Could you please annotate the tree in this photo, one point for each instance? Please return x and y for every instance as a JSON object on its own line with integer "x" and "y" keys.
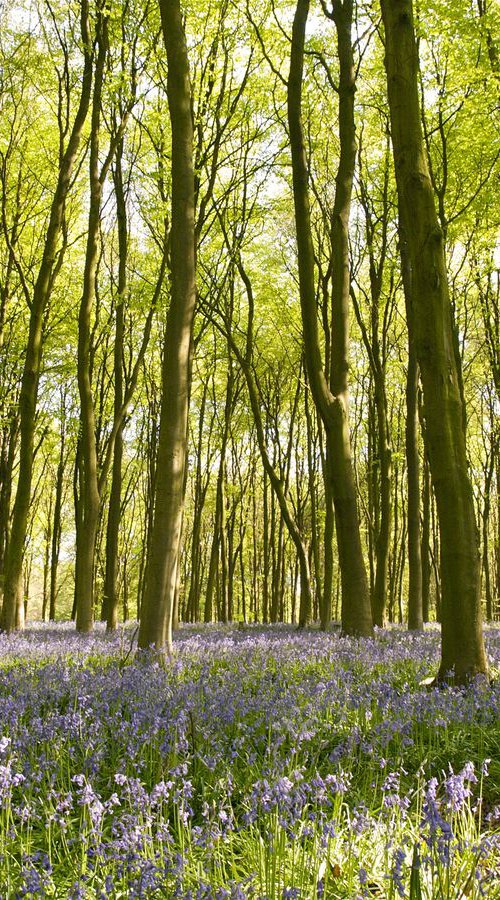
{"x": 462, "y": 651}
{"x": 330, "y": 394}
{"x": 162, "y": 561}
{"x": 12, "y": 611}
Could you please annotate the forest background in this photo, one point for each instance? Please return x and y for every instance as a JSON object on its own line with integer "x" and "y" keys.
{"x": 85, "y": 279}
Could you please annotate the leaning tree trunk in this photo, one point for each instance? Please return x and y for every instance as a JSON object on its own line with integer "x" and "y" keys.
{"x": 462, "y": 649}
{"x": 13, "y": 611}
{"x": 161, "y": 564}
{"x": 331, "y": 399}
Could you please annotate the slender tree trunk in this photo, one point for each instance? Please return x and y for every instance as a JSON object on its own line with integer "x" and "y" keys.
{"x": 223, "y": 599}
{"x": 485, "y": 528}
{"x": 371, "y": 486}
{"x": 84, "y": 582}
{"x": 161, "y": 565}
{"x": 415, "y": 600}
{"x": 218, "y": 551}
{"x": 324, "y": 601}
{"x": 496, "y": 611}
{"x": 200, "y": 490}
{"x": 462, "y": 649}
{"x": 111, "y": 599}
{"x": 211, "y": 578}
{"x": 425, "y": 541}
{"x": 78, "y": 509}
{"x": 57, "y": 525}
{"x": 331, "y": 399}
{"x": 277, "y": 572}
{"x": 7, "y": 460}
{"x": 382, "y": 543}
{"x": 266, "y": 553}
{"x": 415, "y": 596}
{"x": 46, "y": 560}
{"x": 12, "y": 617}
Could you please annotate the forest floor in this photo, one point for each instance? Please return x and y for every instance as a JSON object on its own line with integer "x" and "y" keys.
{"x": 258, "y": 762}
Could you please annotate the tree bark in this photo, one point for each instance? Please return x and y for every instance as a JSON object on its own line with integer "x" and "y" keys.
{"x": 462, "y": 648}
{"x": 161, "y": 564}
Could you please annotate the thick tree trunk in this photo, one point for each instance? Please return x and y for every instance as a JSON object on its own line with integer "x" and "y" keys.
{"x": 462, "y": 641}
{"x": 161, "y": 565}
{"x": 331, "y": 399}
{"x": 12, "y": 617}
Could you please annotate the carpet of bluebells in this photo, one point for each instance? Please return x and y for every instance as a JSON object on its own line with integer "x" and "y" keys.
{"x": 258, "y": 762}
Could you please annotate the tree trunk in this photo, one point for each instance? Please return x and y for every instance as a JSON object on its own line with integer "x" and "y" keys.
{"x": 200, "y": 491}
{"x": 212, "y": 571}
{"x": 382, "y": 543}
{"x": 485, "y": 523}
{"x": 331, "y": 399}
{"x": 46, "y": 560}
{"x": 7, "y": 460}
{"x": 266, "y": 554}
{"x": 321, "y": 599}
{"x": 12, "y": 617}
{"x": 462, "y": 649}
{"x": 84, "y": 582}
{"x": 415, "y": 601}
{"x": 111, "y": 599}
{"x": 161, "y": 565}
{"x": 57, "y": 525}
